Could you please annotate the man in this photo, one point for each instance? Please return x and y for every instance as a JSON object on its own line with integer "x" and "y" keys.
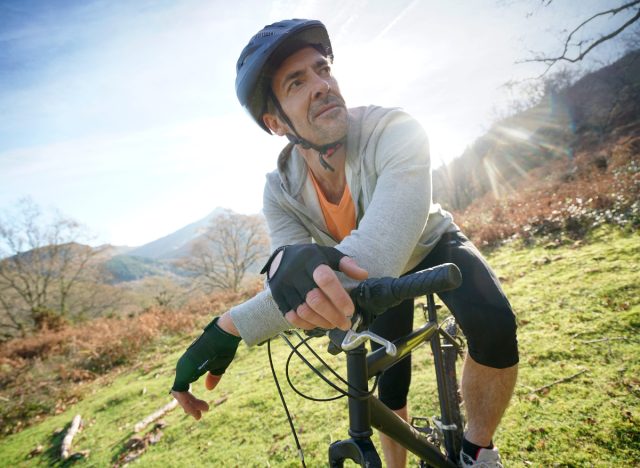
{"x": 356, "y": 182}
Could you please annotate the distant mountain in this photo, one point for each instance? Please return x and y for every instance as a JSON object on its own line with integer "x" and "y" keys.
{"x": 176, "y": 244}
{"x": 125, "y": 268}
{"x": 108, "y": 250}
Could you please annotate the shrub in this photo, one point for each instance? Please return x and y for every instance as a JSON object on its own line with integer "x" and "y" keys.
{"x": 567, "y": 198}
{"x": 35, "y": 372}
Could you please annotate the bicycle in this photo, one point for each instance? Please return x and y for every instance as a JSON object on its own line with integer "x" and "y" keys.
{"x": 436, "y": 442}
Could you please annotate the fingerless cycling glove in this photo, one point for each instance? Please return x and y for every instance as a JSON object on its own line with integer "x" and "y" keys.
{"x": 212, "y": 351}
{"x": 294, "y": 277}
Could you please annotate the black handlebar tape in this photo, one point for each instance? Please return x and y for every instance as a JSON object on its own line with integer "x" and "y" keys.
{"x": 376, "y": 295}
{"x": 432, "y": 280}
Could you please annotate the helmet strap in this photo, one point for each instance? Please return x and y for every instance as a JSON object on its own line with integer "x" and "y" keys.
{"x": 325, "y": 150}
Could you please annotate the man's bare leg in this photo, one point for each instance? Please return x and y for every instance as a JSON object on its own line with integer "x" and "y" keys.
{"x": 486, "y": 392}
{"x": 395, "y": 455}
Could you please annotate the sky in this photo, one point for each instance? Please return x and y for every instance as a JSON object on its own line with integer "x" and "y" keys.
{"x": 123, "y": 114}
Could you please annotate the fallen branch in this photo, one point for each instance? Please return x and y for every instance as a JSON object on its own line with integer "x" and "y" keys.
{"x": 566, "y": 379}
{"x": 600, "y": 340}
{"x": 219, "y": 401}
{"x": 153, "y": 416}
{"x": 68, "y": 438}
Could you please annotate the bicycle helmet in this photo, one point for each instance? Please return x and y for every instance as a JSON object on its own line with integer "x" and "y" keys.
{"x": 265, "y": 51}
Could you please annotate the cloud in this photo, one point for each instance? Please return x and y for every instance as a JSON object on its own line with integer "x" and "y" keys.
{"x": 396, "y": 20}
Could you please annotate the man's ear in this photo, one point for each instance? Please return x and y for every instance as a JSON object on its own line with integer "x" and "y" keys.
{"x": 274, "y": 124}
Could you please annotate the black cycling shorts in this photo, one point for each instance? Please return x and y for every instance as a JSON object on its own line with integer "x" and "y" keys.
{"x": 479, "y": 306}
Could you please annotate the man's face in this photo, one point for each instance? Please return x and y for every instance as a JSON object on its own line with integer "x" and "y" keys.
{"x": 309, "y": 95}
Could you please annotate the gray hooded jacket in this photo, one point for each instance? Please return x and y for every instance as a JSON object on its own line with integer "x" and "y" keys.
{"x": 388, "y": 172}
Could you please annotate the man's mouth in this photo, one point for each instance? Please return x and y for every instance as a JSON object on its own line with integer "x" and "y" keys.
{"x": 325, "y": 109}
{"x": 328, "y": 107}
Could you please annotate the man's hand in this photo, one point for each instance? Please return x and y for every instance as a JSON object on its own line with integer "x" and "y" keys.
{"x": 192, "y": 405}
{"x": 213, "y": 351}
{"x": 309, "y": 292}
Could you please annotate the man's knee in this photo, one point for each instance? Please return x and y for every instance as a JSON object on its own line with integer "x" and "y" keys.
{"x": 492, "y": 339}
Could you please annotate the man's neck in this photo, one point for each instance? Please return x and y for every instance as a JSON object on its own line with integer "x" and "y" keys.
{"x": 332, "y": 183}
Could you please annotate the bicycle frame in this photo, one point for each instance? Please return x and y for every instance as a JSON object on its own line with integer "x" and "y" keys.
{"x": 366, "y": 411}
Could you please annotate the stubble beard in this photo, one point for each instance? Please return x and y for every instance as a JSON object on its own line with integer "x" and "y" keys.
{"x": 329, "y": 128}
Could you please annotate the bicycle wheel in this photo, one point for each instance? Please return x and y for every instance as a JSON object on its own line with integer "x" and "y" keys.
{"x": 449, "y": 425}
{"x": 449, "y": 393}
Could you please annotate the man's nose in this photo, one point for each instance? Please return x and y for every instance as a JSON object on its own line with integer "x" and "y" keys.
{"x": 321, "y": 86}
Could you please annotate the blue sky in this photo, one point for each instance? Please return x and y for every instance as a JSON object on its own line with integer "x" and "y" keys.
{"x": 123, "y": 115}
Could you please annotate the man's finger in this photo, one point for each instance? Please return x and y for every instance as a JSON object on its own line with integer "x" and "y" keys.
{"x": 309, "y": 311}
{"x": 211, "y": 380}
{"x": 297, "y": 322}
{"x": 185, "y": 403}
{"x": 199, "y": 405}
{"x": 349, "y": 267}
{"x": 328, "y": 282}
{"x": 196, "y": 407}
{"x": 322, "y": 309}
{"x": 190, "y": 404}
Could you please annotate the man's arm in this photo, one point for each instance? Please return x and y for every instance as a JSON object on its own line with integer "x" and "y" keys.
{"x": 397, "y": 158}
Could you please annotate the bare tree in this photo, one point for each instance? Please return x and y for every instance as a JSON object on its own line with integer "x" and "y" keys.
{"x": 232, "y": 244}
{"x": 528, "y": 93}
{"x": 163, "y": 291}
{"x": 575, "y": 50}
{"x": 41, "y": 261}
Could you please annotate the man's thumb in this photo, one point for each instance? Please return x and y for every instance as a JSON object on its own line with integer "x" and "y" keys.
{"x": 211, "y": 381}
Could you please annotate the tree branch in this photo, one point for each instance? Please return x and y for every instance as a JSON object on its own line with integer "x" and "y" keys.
{"x": 565, "y": 379}
{"x": 583, "y": 53}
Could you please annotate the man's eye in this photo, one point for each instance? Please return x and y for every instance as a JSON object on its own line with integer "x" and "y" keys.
{"x": 294, "y": 84}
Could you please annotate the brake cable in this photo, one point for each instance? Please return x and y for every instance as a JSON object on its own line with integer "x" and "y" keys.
{"x": 284, "y": 404}
{"x": 342, "y": 393}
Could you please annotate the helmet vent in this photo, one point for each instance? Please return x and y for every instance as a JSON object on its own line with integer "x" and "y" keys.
{"x": 265, "y": 34}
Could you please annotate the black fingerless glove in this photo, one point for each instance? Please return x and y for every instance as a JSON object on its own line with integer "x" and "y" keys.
{"x": 294, "y": 277}
{"x": 212, "y": 351}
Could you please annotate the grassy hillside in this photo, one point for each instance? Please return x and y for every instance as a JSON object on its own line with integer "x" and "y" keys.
{"x": 579, "y": 313}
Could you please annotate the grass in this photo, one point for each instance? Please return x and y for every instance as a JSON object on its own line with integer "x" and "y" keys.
{"x": 578, "y": 311}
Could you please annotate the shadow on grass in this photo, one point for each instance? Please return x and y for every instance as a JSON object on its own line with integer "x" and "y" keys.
{"x": 112, "y": 402}
{"x": 125, "y": 447}
{"x": 624, "y": 441}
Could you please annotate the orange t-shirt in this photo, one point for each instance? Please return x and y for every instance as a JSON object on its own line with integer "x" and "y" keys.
{"x": 341, "y": 218}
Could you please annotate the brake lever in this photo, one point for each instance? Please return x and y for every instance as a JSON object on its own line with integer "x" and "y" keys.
{"x": 336, "y": 336}
{"x": 354, "y": 339}
{"x": 340, "y": 340}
